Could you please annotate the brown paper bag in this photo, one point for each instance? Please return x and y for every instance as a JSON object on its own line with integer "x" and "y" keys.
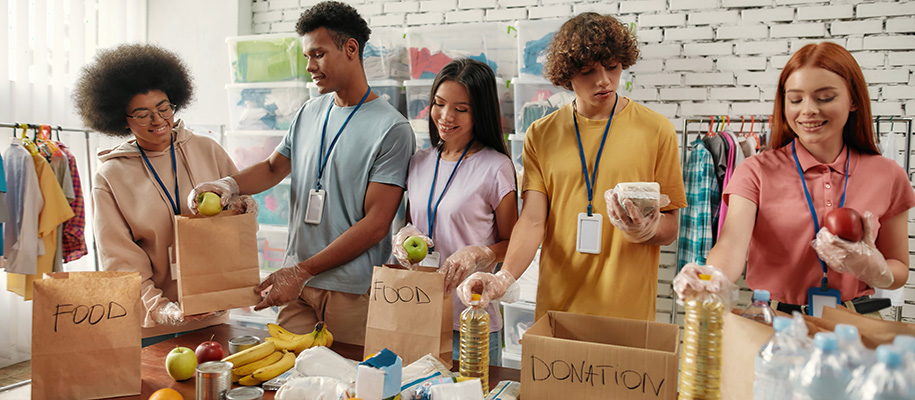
{"x": 217, "y": 263}
{"x": 86, "y": 335}
{"x": 409, "y": 314}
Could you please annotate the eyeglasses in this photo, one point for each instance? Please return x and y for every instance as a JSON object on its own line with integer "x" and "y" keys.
{"x": 144, "y": 118}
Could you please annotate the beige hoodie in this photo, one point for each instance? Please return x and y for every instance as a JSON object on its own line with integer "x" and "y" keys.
{"x": 134, "y": 218}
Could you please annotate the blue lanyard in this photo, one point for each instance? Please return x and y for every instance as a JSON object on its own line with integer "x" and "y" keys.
{"x": 322, "y": 157}
{"x": 176, "y": 207}
{"x": 589, "y": 182}
{"x": 813, "y": 211}
{"x": 431, "y": 211}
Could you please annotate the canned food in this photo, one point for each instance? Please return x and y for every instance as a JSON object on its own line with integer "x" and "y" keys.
{"x": 245, "y": 393}
{"x": 240, "y": 343}
{"x": 214, "y": 379}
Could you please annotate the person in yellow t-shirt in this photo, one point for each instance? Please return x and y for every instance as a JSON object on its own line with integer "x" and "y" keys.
{"x": 619, "y": 140}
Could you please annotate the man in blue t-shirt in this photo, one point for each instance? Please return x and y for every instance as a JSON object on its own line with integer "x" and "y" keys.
{"x": 348, "y": 153}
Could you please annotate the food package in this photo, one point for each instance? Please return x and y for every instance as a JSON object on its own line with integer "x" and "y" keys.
{"x": 321, "y": 361}
{"x": 646, "y": 195}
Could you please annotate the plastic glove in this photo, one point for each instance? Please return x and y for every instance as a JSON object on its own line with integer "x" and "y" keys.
{"x": 169, "y": 313}
{"x": 635, "y": 226}
{"x": 282, "y": 286}
{"x": 493, "y": 286}
{"x": 463, "y": 262}
{"x": 244, "y": 204}
{"x": 861, "y": 259}
{"x": 397, "y": 249}
{"x": 226, "y": 188}
{"x": 688, "y": 284}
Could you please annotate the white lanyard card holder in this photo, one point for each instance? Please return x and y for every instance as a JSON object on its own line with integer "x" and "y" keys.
{"x": 589, "y": 233}
{"x": 315, "y": 208}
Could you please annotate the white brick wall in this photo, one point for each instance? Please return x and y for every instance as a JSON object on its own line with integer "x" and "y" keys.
{"x": 699, "y": 57}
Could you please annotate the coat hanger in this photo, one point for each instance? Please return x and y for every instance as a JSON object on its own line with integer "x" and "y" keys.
{"x": 26, "y": 142}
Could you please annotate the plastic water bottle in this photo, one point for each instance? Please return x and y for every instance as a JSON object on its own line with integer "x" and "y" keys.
{"x": 700, "y": 360}
{"x": 475, "y": 343}
{"x": 906, "y": 344}
{"x": 824, "y": 376}
{"x": 759, "y": 309}
{"x": 775, "y": 361}
{"x": 886, "y": 380}
{"x": 856, "y": 355}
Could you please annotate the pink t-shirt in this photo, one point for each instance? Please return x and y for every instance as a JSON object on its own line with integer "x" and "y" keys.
{"x": 466, "y": 214}
{"x": 780, "y": 258}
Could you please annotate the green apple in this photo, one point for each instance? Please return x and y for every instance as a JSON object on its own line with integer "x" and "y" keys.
{"x": 416, "y": 248}
{"x": 181, "y": 363}
{"x": 209, "y": 204}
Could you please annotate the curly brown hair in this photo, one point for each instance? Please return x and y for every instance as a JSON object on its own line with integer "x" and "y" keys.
{"x": 587, "y": 38}
{"x": 340, "y": 19}
{"x": 107, "y": 86}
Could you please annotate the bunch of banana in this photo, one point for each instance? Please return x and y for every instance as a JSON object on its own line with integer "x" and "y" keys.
{"x": 260, "y": 363}
{"x": 283, "y": 339}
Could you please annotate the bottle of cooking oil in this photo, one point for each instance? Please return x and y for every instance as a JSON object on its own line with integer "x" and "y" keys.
{"x": 700, "y": 359}
{"x": 475, "y": 343}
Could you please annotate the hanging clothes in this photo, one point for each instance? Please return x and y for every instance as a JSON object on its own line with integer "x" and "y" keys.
{"x": 21, "y": 246}
{"x": 695, "y": 220}
{"x": 718, "y": 148}
{"x": 732, "y": 154}
{"x": 4, "y": 212}
{"x": 60, "y": 166}
{"x": 74, "y": 236}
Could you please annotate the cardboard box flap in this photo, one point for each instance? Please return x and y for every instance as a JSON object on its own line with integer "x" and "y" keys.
{"x": 615, "y": 332}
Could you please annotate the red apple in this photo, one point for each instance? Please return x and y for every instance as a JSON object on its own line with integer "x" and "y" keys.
{"x": 209, "y": 351}
{"x": 845, "y": 223}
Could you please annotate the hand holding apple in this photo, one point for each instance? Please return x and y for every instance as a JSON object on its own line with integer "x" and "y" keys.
{"x": 209, "y": 204}
{"x": 845, "y": 223}
{"x": 416, "y": 248}
{"x": 407, "y": 241}
{"x": 181, "y": 363}
{"x": 209, "y": 351}
{"x": 861, "y": 259}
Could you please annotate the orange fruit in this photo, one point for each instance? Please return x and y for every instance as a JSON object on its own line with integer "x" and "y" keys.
{"x": 166, "y": 394}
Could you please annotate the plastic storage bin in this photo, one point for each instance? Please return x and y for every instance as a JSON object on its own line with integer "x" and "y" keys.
{"x": 533, "y": 38}
{"x": 418, "y": 103}
{"x": 265, "y": 106}
{"x": 386, "y": 56}
{"x": 249, "y": 147}
{"x": 422, "y": 140}
{"x": 431, "y": 47}
{"x": 519, "y": 316}
{"x": 511, "y": 360}
{"x": 271, "y": 247}
{"x": 535, "y": 99}
{"x": 266, "y": 58}
{"x": 391, "y": 91}
{"x": 273, "y": 205}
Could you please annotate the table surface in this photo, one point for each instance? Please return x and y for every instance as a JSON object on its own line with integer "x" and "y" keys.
{"x": 155, "y": 377}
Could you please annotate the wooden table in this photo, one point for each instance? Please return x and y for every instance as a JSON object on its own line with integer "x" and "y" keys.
{"x": 155, "y": 377}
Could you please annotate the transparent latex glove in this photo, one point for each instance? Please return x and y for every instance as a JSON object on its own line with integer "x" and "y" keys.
{"x": 169, "y": 313}
{"x": 490, "y": 286}
{"x": 226, "y": 188}
{"x": 861, "y": 259}
{"x": 688, "y": 284}
{"x": 282, "y": 286}
{"x": 400, "y": 253}
{"x": 463, "y": 262}
{"x": 244, "y": 204}
{"x": 635, "y": 226}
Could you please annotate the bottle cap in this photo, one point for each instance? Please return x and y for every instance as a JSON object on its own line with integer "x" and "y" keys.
{"x": 760, "y": 295}
{"x": 705, "y": 277}
{"x": 905, "y": 343}
{"x": 475, "y": 298}
{"x": 889, "y": 354}
{"x": 827, "y": 341}
{"x": 846, "y": 333}
{"x": 781, "y": 323}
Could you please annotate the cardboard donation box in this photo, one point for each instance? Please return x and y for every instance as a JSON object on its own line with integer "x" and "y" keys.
{"x": 216, "y": 262}
{"x": 575, "y": 356}
{"x": 409, "y": 314}
{"x": 86, "y": 335}
{"x": 743, "y": 338}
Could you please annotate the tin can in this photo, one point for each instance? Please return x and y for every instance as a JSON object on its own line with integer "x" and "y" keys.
{"x": 240, "y": 343}
{"x": 245, "y": 393}
{"x": 214, "y": 379}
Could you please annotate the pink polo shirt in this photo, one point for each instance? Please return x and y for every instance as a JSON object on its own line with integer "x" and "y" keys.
{"x": 780, "y": 258}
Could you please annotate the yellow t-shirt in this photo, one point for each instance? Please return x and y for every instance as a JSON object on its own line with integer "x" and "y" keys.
{"x": 641, "y": 146}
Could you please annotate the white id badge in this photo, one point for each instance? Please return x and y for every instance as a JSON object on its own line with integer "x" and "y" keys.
{"x": 431, "y": 260}
{"x": 589, "y": 230}
{"x": 315, "y": 208}
{"x": 172, "y": 262}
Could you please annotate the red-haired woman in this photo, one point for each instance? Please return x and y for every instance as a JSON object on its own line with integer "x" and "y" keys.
{"x": 821, "y": 156}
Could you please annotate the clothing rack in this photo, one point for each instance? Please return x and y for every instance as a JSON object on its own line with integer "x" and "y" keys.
{"x": 17, "y": 126}
{"x": 878, "y": 120}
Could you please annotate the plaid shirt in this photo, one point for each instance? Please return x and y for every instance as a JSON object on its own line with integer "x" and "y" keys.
{"x": 695, "y": 220}
{"x": 74, "y": 238}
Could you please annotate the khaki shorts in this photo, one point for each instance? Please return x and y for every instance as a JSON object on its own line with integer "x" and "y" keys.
{"x": 344, "y": 313}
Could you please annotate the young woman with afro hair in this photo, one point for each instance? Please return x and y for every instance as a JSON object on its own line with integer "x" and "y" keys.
{"x": 133, "y": 91}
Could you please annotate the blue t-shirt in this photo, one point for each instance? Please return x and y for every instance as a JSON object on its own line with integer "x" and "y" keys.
{"x": 375, "y": 146}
